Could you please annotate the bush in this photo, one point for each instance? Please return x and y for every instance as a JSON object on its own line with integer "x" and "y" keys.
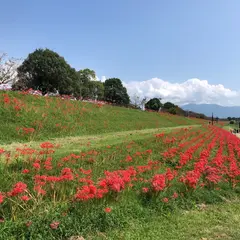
{"x": 153, "y": 104}
{"x": 232, "y": 122}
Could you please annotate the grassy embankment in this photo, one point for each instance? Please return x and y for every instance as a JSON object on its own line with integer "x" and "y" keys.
{"x": 25, "y": 118}
{"x": 121, "y": 203}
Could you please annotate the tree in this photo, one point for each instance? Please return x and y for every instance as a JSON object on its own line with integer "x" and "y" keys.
{"x": 46, "y": 70}
{"x": 86, "y": 75}
{"x": 8, "y": 69}
{"x": 84, "y": 79}
{"x": 115, "y": 92}
{"x": 153, "y": 104}
{"x": 95, "y": 90}
{"x": 172, "y": 111}
{"x": 168, "y": 105}
{"x": 229, "y": 118}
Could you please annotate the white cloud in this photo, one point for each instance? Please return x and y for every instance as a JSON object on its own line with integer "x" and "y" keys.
{"x": 102, "y": 79}
{"x": 191, "y": 91}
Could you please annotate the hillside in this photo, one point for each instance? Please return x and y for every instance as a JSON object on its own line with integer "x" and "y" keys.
{"x": 112, "y": 173}
{"x": 29, "y": 117}
{"x": 217, "y": 110}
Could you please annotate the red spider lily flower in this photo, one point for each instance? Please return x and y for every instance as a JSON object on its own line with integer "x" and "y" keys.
{"x": 6, "y": 99}
{"x": 25, "y": 171}
{"x": 28, "y": 130}
{"x": 1, "y": 198}
{"x": 169, "y": 174}
{"x": 175, "y": 195}
{"x": 130, "y": 185}
{"x": 28, "y": 224}
{"x": 159, "y": 182}
{"x": 67, "y": 174}
{"x": 1, "y": 220}
{"x": 36, "y": 165}
{"x": 86, "y": 172}
{"x": 39, "y": 190}
{"x": 54, "y": 225}
{"x": 17, "y": 108}
{"x": 46, "y": 145}
{"x": 165, "y": 200}
{"x": 25, "y": 198}
{"x": 18, "y": 188}
{"x": 145, "y": 189}
{"x": 159, "y": 135}
{"x": 2, "y": 150}
{"x": 149, "y": 151}
{"x": 191, "y": 178}
{"x": 107, "y": 210}
{"x": 128, "y": 158}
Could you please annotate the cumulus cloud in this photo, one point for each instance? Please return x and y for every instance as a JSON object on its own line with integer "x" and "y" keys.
{"x": 191, "y": 91}
{"x": 102, "y": 79}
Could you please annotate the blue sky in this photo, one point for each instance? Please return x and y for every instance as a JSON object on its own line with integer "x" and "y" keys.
{"x": 134, "y": 40}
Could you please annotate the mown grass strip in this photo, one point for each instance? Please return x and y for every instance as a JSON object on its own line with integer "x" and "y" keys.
{"x": 69, "y": 144}
{"x": 218, "y": 221}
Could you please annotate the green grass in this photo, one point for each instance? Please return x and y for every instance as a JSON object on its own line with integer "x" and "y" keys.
{"x": 230, "y": 126}
{"x": 212, "y": 222}
{"x": 54, "y": 118}
{"x": 76, "y": 144}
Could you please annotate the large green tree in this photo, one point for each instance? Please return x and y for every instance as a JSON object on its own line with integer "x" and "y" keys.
{"x": 154, "y": 104}
{"x": 92, "y": 90}
{"x": 87, "y": 86}
{"x": 168, "y": 105}
{"x": 46, "y": 70}
{"x": 86, "y": 75}
{"x": 115, "y": 92}
{"x": 96, "y": 90}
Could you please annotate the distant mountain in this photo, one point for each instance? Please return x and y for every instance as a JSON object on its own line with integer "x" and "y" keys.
{"x": 217, "y": 110}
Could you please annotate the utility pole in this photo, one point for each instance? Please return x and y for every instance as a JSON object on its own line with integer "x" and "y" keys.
{"x": 212, "y": 118}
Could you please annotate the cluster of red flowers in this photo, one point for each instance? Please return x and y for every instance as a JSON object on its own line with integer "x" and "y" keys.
{"x": 195, "y": 158}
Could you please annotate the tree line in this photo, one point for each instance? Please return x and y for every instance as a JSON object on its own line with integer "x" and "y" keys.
{"x": 47, "y": 71}
{"x": 155, "y": 104}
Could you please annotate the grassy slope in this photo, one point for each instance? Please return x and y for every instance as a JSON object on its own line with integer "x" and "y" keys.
{"x": 219, "y": 221}
{"x": 52, "y": 117}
